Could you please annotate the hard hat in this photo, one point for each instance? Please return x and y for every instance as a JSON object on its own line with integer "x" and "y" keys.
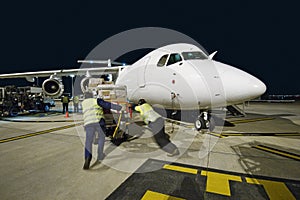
{"x": 142, "y": 101}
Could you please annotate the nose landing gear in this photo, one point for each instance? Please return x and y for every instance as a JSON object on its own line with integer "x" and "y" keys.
{"x": 205, "y": 121}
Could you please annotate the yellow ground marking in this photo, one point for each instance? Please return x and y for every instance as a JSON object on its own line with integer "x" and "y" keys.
{"x": 275, "y": 190}
{"x": 232, "y": 134}
{"x": 40, "y": 121}
{"x": 226, "y": 134}
{"x": 220, "y": 135}
{"x": 251, "y": 120}
{"x": 180, "y": 123}
{"x": 39, "y": 133}
{"x": 219, "y": 183}
{"x": 150, "y": 195}
{"x": 180, "y": 169}
{"x": 277, "y": 152}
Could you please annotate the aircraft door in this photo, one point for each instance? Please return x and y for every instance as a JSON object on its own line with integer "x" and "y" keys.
{"x": 141, "y": 72}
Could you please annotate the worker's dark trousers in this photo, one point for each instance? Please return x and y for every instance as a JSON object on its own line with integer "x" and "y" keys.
{"x": 90, "y": 130}
{"x": 75, "y": 107}
{"x": 158, "y": 129}
{"x": 65, "y": 107}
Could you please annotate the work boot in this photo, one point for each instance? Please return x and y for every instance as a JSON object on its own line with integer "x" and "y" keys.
{"x": 174, "y": 153}
{"x": 87, "y": 163}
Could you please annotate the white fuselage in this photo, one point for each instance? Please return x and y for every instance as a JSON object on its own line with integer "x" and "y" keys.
{"x": 177, "y": 76}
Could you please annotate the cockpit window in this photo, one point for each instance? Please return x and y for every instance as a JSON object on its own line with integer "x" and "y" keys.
{"x": 194, "y": 55}
{"x": 174, "y": 58}
{"x": 162, "y": 61}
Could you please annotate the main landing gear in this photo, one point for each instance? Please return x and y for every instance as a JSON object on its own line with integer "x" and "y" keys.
{"x": 205, "y": 121}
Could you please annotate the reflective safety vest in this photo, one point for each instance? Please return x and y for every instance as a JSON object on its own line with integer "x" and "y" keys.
{"x": 76, "y": 99}
{"x": 147, "y": 113}
{"x": 92, "y": 112}
{"x": 65, "y": 99}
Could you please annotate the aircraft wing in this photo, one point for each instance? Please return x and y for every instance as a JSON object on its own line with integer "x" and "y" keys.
{"x": 65, "y": 72}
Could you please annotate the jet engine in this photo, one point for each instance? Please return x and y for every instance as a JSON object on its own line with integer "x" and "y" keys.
{"x": 53, "y": 87}
{"x": 84, "y": 84}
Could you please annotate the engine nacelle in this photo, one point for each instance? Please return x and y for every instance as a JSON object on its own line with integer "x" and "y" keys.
{"x": 84, "y": 84}
{"x": 53, "y": 87}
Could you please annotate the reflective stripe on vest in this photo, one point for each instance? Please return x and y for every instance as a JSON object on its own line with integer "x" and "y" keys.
{"x": 147, "y": 113}
{"x": 92, "y": 112}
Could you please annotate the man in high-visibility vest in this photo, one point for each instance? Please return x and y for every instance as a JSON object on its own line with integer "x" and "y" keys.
{"x": 94, "y": 121}
{"x": 65, "y": 102}
{"x": 75, "y": 103}
{"x": 157, "y": 125}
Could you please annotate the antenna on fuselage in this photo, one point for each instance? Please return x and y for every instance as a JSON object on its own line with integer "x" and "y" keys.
{"x": 212, "y": 55}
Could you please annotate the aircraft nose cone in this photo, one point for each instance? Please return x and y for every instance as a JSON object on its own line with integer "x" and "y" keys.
{"x": 256, "y": 87}
{"x": 240, "y": 86}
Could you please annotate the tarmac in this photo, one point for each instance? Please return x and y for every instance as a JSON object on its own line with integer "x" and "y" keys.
{"x": 252, "y": 157}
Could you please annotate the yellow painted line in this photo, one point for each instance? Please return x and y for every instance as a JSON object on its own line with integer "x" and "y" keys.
{"x": 180, "y": 123}
{"x": 217, "y": 135}
{"x": 181, "y": 169}
{"x": 275, "y": 190}
{"x": 219, "y": 183}
{"x": 260, "y": 134}
{"x": 232, "y": 134}
{"x": 277, "y": 152}
{"x": 150, "y": 195}
{"x": 189, "y": 126}
{"x": 38, "y": 133}
{"x": 251, "y": 120}
{"x": 40, "y": 121}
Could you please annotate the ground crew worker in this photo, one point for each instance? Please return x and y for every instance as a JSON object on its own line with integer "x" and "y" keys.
{"x": 94, "y": 122}
{"x": 157, "y": 125}
{"x": 65, "y": 101}
{"x": 75, "y": 103}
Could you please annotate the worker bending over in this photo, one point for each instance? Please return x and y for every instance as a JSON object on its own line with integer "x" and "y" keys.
{"x": 157, "y": 125}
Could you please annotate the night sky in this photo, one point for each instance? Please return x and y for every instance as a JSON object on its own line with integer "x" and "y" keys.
{"x": 259, "y": 37}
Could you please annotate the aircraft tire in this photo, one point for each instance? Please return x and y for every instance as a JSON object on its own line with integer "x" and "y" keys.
{"x": 199, "y": 123}
{"x": 13, "y": 111}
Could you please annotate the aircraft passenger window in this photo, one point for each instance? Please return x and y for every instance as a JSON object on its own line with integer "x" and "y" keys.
{"x": 194, "y": 55}
{"x": 162, "y": 61}
{"x": 174, "y": 58}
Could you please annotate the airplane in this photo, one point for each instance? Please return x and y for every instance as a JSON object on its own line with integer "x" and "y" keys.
{"x": 177, "y": 76}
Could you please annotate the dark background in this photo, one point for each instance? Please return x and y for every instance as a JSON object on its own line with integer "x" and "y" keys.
{"x": 259, "y": 37}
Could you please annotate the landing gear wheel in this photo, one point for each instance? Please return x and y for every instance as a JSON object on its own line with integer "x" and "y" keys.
{"x": 13, "y": 112}
{"x": 199, "y": 124}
